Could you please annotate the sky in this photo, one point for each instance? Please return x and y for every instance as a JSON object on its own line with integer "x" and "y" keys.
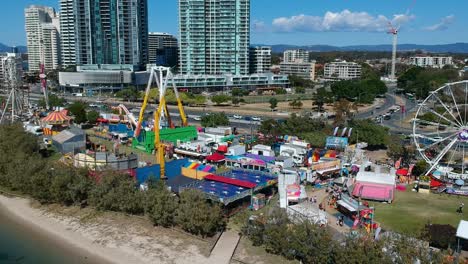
{"x": 304, "y": 22}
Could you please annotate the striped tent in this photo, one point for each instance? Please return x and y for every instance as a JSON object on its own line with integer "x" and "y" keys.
{"x": 56, "y": 118}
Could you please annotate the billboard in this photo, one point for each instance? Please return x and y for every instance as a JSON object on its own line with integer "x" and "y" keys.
{"x": 336, "y": 142}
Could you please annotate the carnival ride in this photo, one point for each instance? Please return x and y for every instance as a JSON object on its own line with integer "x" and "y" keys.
{"x": 162, "y": 119}
{"x": 440, "y": 131}
{"x": 131, "y": 118}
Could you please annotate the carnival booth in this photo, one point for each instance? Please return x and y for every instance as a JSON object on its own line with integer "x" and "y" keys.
{"x": 374, "y": 186}
{"x": 70, "y": 140}
{"x": 55, "y": 122}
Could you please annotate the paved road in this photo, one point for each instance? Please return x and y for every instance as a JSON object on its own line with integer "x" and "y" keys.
{"x": 194, "y": 114}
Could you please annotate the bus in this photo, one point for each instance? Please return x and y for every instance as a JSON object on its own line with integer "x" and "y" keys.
{"x": 410, "y": 96}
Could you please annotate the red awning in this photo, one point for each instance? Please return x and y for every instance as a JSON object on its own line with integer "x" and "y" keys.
{"x": 227, "y": 180}
{"x": 402, "y": 172}
{"x": 216, "y": 157}
{"x": 436, "y": 183}
{"x": 223, "y": 148}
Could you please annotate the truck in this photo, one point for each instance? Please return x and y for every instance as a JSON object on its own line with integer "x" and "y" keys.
{"x": 296, "y": 151}
{"x": 122, "y": 138}
{"x": 236, "y": 150}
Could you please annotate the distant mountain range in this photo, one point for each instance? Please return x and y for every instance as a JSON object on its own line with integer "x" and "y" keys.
{"x": 444, "y": 48}
{"x": 6, "y": 48}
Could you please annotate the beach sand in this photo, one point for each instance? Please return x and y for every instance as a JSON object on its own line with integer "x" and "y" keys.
{"x": 20, "y": 211}
{"x": 104, "y": 240}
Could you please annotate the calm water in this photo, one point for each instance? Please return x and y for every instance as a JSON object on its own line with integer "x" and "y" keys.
{"x": 22, "y": 245}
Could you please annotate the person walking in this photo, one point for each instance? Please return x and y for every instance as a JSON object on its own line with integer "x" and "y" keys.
{"x": 460, "y": 208}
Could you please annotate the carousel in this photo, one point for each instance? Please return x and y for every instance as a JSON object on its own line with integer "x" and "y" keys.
{"x": 55, "y": 122}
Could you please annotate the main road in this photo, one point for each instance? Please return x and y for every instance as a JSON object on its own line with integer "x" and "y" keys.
{"x": 247, "y": 123}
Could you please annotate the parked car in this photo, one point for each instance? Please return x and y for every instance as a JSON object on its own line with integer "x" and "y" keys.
{"x": 256, "y": 118}
{"x": 237, "y": 116}
{"x": 197, "y": 118}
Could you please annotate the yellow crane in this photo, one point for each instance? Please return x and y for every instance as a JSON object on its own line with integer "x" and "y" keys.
{"x": 162, "y": 76}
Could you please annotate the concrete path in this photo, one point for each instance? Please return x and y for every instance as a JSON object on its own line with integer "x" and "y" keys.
{"x": 225, "y": 247}
{"x": 322, "y": 196}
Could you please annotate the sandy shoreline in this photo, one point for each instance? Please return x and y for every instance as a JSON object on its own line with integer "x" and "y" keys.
{"x": 108, "y": 237}
{"x": 20, "y": 211}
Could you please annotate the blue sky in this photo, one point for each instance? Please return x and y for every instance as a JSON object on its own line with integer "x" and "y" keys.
{"x": 305, "y": 22}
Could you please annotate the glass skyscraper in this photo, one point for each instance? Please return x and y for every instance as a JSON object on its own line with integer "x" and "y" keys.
{"x": 214, "y": 36}
{"x": 111, "y": 31}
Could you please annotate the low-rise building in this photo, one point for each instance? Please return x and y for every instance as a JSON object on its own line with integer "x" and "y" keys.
{"x": 431, "y": 61}
{"x": 305, "y": 70}
{"x": 119, "y": 76}
{"x": 342, "y": 70}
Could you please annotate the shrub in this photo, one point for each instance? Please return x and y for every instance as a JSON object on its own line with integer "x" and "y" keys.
{"x": 197, "y": 216}
{"x": 160, "y": 205}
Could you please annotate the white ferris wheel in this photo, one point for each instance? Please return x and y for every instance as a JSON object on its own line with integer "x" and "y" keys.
{"x": 440, "y": 131}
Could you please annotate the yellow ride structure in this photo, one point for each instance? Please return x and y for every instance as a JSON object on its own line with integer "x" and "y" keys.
{"x": 161, "y": 76}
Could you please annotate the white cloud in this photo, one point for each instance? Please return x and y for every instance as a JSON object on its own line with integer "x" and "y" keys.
{"x": 345, "y": 20}
{"x": 442, "y": 25}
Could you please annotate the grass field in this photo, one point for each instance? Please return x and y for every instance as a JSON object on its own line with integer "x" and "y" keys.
{"x": 411, "y": 211}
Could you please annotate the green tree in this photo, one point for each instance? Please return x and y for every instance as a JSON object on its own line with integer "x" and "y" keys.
{"x": 31, "y": 77}
{"x": 276, "y": 58}
{"x": 220, "y": 99}
{"x": 296, "y": 104}
{"x": 361, "y": 250}
{"x": 235, "y": 101}
{"x": 117, "y": 192}
{"x": 54, "y": 101}
{"x": 299, "y": 90}
{"x": 273, "y": 103}
{"x": 78, "y": 110}
{"x": 322, "y": 97}
{"x": 375, "y": 135}
{"x": 160, "y": 205}
{"x": 297, "y": 81}
{"x": 197, "y": 216}
{"x": 397, "y": 149}
{"x": 128, "y": 94}
{"x": 343, "y": 110}
{"x": 311, "y": 244}
{"x": 420, "y": 81}
{"x": 420, "y": 168}
{"x": 239, "y": 92}
{"x": 214, "y": 120}
{"x": 92, "y": 116}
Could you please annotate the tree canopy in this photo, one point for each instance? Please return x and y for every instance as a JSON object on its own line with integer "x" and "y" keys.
{"x": 420, "y": 81}
{"x": 367, "y": 131}
{"x": 54, "y": 101}
{"x": 78, "y": 110}
{"x": 214, "y": 120}
{"x": 220, "y": 99}
{"x": 273, "y": 103}
{"x": 130, "y": 94}
{"x": 197, "y": 216}
{"x": 297, "y": 81}
{"x": 361, "y": 91}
